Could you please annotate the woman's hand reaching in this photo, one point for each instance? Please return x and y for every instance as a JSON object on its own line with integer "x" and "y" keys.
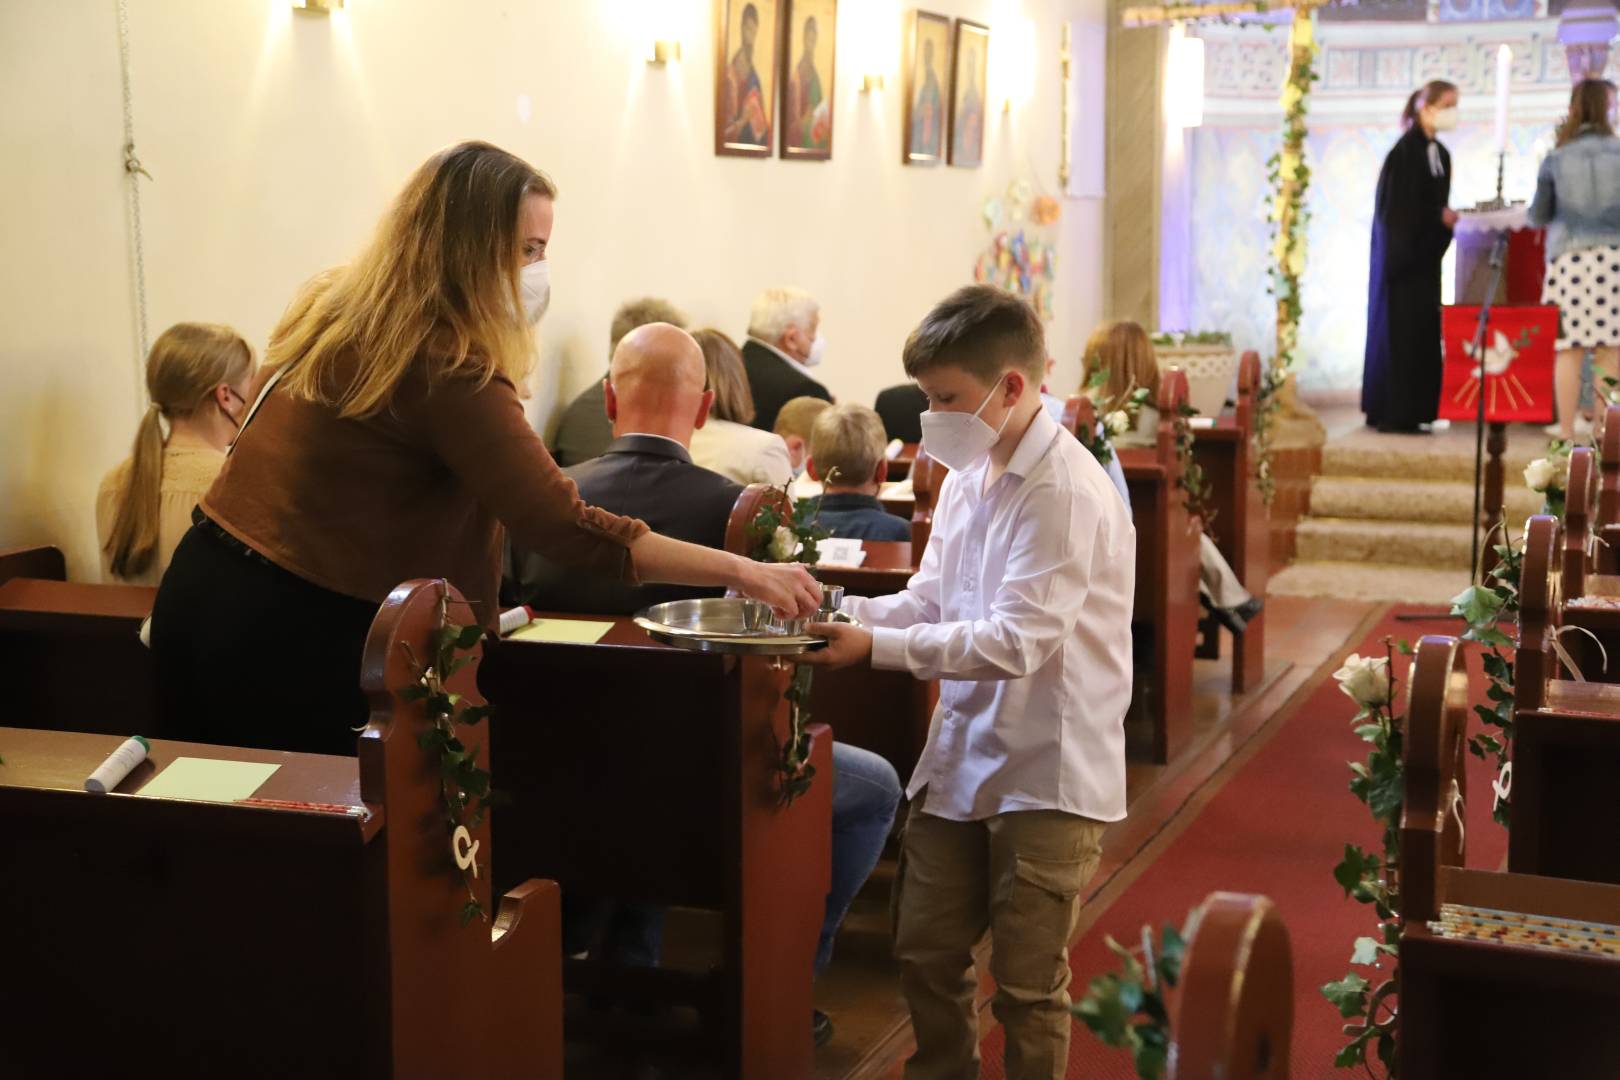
{"x": 788, "y": 588}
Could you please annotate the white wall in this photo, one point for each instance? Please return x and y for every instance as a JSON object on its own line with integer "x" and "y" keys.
{"x": 276, "y": 140}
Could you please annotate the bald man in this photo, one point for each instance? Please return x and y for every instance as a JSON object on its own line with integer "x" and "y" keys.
{"x": 655, "y": 397}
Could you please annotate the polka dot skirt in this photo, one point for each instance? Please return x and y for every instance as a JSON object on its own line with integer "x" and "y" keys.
{"x": 1586, "y": 287}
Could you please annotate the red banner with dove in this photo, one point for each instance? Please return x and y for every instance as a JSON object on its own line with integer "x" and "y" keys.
{"x": 1519, "y": 350}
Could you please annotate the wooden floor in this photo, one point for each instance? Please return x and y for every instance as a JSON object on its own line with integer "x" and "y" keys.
{"x": 861, "y": 991}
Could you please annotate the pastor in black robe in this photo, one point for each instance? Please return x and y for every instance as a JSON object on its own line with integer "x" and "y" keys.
{"x": 1400, "y": 380}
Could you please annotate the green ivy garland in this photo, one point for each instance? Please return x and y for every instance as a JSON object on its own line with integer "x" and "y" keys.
{"x": 792, "y": 538}
{"x": 1290, "y": 180}
{"x": 461, "y": 779}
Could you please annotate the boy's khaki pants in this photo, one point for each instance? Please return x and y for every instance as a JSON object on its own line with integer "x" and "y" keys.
{"x": 1018, "y": 874}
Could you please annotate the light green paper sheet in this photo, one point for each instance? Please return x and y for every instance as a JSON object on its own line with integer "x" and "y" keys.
{"x": 207, "y": 780}
{"x": 567, "y": 631}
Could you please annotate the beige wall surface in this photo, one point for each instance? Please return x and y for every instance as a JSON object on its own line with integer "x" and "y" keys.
{"x": 276, "y": 138}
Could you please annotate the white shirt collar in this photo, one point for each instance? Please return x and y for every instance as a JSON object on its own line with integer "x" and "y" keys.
{"x": 792, "y": 363}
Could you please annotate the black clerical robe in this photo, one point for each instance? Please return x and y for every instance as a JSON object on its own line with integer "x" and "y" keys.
{"x": 1400, "y": 382}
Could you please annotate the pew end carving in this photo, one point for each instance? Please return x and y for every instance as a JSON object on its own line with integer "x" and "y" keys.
{"x": 1235, "y": 1013}
{"x": 1165, "y": 622}
{"x": 926, "y": 477}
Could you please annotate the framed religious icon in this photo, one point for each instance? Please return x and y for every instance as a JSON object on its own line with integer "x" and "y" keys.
{"x": 746, "y": 36}
{"x": 807, "y": 78}
{"x": 970, "y": 62}
{"x": 927, "y": 61}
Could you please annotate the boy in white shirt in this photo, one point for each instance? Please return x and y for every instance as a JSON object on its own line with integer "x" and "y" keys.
{"x": 1021, "y": 607}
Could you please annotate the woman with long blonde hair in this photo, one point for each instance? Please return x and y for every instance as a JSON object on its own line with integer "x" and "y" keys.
{"x": 197, "y": 376}
{"x": 390, "y": 444}
{"x": 1578, "y": 200}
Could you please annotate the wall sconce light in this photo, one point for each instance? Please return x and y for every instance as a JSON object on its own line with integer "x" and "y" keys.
{"x": 317, "y": 7}
{"x": 870, "y": 83}
{"x": 664, "y": 51}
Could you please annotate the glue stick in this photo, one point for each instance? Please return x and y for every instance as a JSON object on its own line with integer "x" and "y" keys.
{"x": 110, "y": 773}
{"x": 515, "y": 619}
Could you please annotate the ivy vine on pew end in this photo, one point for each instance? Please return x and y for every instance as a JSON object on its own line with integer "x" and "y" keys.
{"x": 1127, "y": 1009}
{"x": 464, "y": 786}
{"x": 1379, "y": 783}
{"x": 775, "y": 537}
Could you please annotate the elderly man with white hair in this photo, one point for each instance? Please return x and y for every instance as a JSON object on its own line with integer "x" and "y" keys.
{"x": 784, "y": 343}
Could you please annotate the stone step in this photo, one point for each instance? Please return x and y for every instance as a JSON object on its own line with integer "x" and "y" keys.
{"x": 1375, "y": 582}
{"x": 1413, "y": 500}
{"x": 1379, "y": 461}
{"x": 1435, "y": 545}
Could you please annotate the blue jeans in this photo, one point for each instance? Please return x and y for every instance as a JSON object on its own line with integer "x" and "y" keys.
{"x": 866, "y": 791}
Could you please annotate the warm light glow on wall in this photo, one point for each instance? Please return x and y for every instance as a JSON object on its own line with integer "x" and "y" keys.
{"x": 1184, "y": 80}
{"x": 869, "y": 43}
{"x": 319, "y": 7}
{"x": 1012, "y": 59}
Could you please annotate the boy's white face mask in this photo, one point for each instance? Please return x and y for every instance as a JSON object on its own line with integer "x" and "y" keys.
{"x": 959, "y": 440}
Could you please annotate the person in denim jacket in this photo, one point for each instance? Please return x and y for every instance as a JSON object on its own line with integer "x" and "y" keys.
{"x": 1578, "y": 200}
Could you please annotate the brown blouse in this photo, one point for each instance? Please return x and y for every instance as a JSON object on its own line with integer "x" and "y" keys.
{"x": 420, "y": 490}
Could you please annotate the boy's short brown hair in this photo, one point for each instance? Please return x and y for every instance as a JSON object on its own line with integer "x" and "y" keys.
{"x": 983, "y": 330}
{"x": 849, "y": 439}
{"x": 798, "y": 416}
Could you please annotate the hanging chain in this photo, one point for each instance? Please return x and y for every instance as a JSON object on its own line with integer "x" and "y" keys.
{"x": 134, "y": 170}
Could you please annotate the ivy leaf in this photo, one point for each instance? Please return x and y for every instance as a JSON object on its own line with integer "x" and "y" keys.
{"x": 1405, "y": 648}
{"x": 1172, "y": 949}
{"x": 1369, "y": 732}
{"x": 1151, "y": 1060}
{"x": 472, "y": 714}
{"x": 1476, "y": 605}
{"x": 1102, "y": 1011}
{"x": 1366, "y": 951}
{"x": 471, "y": 910}
{"x": 1356, "y": 865}
{"x": 1348, "y": 995}
{"x": 468, "y": 636}
{"x": 1351, "y": 1056}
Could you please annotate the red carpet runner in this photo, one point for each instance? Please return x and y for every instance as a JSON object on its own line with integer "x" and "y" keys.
{"x": 1277, "y": 825}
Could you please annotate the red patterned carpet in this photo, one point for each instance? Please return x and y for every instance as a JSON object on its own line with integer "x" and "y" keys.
{"x": 1274, "y": 821}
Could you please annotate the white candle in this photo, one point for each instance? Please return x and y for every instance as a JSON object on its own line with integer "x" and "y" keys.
{"x": 1504, "y": 76}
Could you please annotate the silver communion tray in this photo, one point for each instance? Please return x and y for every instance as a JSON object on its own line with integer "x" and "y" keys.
{"x": 726, "y": 625}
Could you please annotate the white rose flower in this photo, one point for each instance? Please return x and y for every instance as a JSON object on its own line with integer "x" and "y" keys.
{"x": 1365, "y": 680}
{"x": 783, "y": 544}
{"x": 1117, "y": 422}
{"x": 1540, "y": 474}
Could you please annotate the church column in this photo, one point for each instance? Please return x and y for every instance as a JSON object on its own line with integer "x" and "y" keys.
{"x": 1134, "y": 110}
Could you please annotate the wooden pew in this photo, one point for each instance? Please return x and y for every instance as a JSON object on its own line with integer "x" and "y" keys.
{"x": 887, "y": 567}
{"x": 257, "y": 939}
{"x": 1486, "y": 1009}
{"x": 32, "y": 562}
{"x": 900, "y": 467}
{"x": 1580, "y": 532}
{"x": 1166, "y": 618}
{"x": 1235, "y": 1014}
{"x": 1566, "y": 737}
{"x": 71, "y": 658}
{"x": 1607, "y": 440}
{"x": 926, "y": 477}
{"x": 645, "y": 773}
{"x": 1241, "y": 525}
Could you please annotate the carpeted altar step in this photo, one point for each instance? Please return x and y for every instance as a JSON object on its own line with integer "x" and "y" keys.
{"x": 1370, "y": 581}
{"x": 1436, "y": 545}
{"x": 1411, "y": 500}
{"x": 1389, "y": 515}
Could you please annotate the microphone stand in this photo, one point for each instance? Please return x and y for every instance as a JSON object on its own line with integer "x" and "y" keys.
{"x": 1498, "y": 259}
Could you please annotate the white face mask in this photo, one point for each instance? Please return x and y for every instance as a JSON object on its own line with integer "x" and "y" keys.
{"x": 536, "y": 286}
{"x": 1445, "y": 119}
{"x": 818, "y": 350}
{"x": 960, "y": 440}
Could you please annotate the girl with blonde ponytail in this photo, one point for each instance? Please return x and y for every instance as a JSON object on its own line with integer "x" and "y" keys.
{"x": 197, "y": 376}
